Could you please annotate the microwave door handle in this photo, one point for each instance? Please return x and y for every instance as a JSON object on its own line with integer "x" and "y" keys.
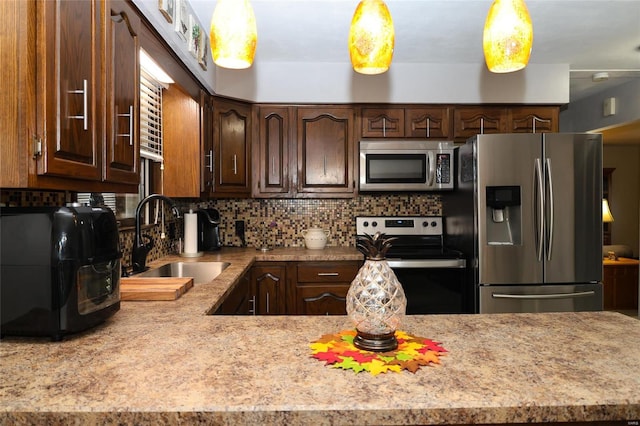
{"x": 431, "y": 168}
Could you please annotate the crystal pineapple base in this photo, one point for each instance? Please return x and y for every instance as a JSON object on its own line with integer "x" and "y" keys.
{"x": 375, "y": 342}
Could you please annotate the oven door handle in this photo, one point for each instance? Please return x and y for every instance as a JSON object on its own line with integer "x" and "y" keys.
{"x": 426, "y": 263}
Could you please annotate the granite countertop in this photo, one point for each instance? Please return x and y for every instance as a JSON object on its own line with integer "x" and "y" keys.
{"x": 168, "y": 362}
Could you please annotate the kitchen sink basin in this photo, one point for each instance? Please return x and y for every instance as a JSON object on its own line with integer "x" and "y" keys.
{"x": 201, "y": 272}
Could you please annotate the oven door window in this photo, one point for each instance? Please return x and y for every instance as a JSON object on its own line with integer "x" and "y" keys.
{"x": 396, "y": 168}
{"x": 434, "y": 290}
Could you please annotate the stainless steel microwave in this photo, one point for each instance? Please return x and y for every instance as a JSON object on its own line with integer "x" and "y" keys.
{"x": 406, "y": 165}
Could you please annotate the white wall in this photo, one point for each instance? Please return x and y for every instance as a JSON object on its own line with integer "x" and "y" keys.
{"x": 308, "y": 82}
{"x": 624, "y": 194}
{"x": 587, "y": 114}
{"x": 403, "y": 83}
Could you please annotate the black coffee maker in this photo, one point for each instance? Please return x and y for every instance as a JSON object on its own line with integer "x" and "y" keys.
{"x": 208, "y": 231}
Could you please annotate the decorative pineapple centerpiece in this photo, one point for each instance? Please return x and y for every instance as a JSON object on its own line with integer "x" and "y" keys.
{"x": 376, "y": 302}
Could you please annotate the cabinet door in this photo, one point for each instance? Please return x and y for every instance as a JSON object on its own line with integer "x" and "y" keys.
{"x": 428, "y": 123}
{"x": 383, "y": 123}
{"x": 321, "y": 287}
{"x": 322, "y": 299}
{"x": 69, "y": 88}
{"x": 268, "y": 287}
{"x": 533, "y": 119}
{"x": 232, "y": 124}
{"x": 181, "y": 144}
{"x": 325, "y": 152}
{"x": 473, "y": 121}
{"x": 122, "y": 148}
{"x": 272, "y": 156}
{"x": 237, "y": 302}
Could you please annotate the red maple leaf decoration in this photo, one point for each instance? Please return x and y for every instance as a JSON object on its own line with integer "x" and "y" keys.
{"x": 430, "y": 345}
{"x": 328, "y": 357}
{"x": 359, "y": 356}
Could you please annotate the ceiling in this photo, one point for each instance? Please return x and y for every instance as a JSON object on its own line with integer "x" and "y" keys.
{"x": 589, "y": 35}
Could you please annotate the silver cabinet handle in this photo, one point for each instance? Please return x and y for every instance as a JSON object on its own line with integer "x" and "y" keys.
{"x": 209, "y": 166}
{"x": 324, "y": 165}
{"x": 384, "y": 127}
{"x": 130, "y": 125}
{"x": 328, "y": 274}
{"x": 85, "y": 104}
{"x": 235, "y": 164}
{"x": 482, "y": 125}
{"x": 252, "y": 305}
{"x": 268, "y": 302}
{"x": 130, "y": 134}
{"x": 428, "y": 127}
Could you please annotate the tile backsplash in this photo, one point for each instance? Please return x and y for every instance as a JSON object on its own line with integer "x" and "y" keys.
{"x": 290, "y": 217}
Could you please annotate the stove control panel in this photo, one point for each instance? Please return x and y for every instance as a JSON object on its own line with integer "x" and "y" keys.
{"x": 399, "y": 225}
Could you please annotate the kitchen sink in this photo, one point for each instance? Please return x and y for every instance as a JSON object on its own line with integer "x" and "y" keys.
{"x": 201, "y": 272}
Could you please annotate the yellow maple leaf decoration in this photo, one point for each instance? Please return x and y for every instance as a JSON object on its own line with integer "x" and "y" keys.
{"x": 337, "y": 350}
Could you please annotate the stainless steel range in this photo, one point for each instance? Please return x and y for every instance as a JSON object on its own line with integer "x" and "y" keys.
{"x": 433, "y": 277}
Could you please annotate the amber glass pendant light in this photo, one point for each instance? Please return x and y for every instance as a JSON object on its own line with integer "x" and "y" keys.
{"x": 508, "y": 36}
{"x": 233, "y": 34}
{"x": 371, "y": 37}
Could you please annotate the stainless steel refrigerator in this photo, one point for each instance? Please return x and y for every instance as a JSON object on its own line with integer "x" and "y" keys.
{"x": 527, "y": 212}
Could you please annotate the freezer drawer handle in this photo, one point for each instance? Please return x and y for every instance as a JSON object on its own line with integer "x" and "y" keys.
{"x": 543, "y": 296}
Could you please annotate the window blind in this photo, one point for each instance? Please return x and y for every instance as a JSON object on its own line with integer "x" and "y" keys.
{"x": 150, "y": 117}
{"x": 98, "y": 198}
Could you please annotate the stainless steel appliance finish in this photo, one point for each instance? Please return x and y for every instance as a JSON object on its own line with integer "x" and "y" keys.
{"x": 406, "y": 165}
{"x": 59, "y": 269}
{"x": 432, "y": 276}
{"x": 528, "y": 211}
{"x": 540, "y": 298}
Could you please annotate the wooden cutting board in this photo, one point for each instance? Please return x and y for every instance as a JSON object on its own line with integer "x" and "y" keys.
{"x": 152, "y": 288}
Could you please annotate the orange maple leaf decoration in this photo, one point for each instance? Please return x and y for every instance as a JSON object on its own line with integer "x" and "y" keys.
{"x": 413, "y": 352}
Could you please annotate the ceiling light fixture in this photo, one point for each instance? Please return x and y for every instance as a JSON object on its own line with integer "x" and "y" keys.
{"x": 600, "y": 76}
{"x": 371, "y": 37}
{"x": 508, "y": 36}
{"x": 233, "y": 34}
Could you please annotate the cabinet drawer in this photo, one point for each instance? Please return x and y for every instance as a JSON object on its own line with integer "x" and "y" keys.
{"x": 327, "y": 272}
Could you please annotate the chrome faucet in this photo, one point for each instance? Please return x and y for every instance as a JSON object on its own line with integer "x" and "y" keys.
{"x": 141, "y": 249}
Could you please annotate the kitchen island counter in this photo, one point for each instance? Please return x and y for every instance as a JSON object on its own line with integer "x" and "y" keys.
{"x": 168, "y": 362}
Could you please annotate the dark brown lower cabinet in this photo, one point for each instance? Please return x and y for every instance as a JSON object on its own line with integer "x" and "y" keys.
{"x": 268, "y": 288}
{"x": 321, "y": 287}
{"x": 290, "y": 288}
{"x": 237, "y": 302}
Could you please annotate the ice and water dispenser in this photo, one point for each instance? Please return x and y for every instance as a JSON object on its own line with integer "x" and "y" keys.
{"x": 503, "y": 216}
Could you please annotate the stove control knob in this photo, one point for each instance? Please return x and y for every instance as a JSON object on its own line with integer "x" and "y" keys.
{"x": 433, "y": 224}
{"x": 374, "y": 224}
{"x": 425, "y": 224}
{"x": 365, "y": 223}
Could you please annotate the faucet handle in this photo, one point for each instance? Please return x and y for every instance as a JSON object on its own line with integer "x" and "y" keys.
{"x": 149, "y": 243}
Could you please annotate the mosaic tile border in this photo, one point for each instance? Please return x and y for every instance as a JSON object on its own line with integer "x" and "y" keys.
{"x": 291, "y": 216}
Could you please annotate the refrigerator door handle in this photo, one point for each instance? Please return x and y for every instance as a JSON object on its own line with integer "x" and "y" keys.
{"x": 543, "y": 296}
{"x": 539, "y": 209}
{"x": 551, "y": 211}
